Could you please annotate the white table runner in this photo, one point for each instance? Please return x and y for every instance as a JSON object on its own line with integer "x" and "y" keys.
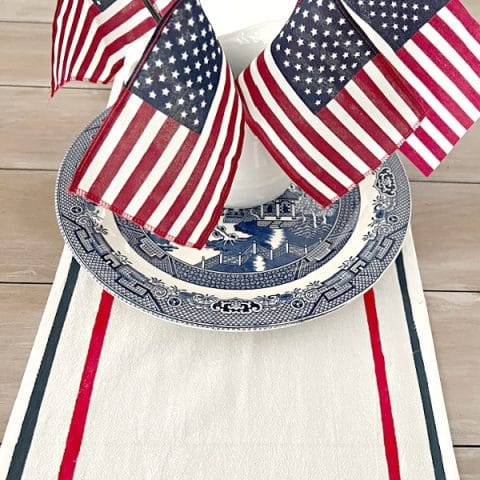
{"x": 111, "y": 393}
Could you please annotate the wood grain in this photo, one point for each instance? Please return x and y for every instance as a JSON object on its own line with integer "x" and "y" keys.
{"x": 456, "y": 344}
{"x": 32, "y": 66}
{"x": 31, "y": 245}
{"x": 445, "y": 225}
{"x": 468, "y": 460}
{"x": 21, "y": 10}
{"x": 22, "y": 307}
{"x": 35, "y": 130}
{"x": 446, "y": 230}
{"x": 461, "y": 165}
{"x": 455, "y": 319}
{"x": 25, "y": 11}
{"x": 64, "y": 116}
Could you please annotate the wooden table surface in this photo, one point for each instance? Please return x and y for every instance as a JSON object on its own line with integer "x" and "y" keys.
{"x": 35, "y": 132}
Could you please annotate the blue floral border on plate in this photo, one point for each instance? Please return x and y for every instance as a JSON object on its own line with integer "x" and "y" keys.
{"x": 85, "y": 235}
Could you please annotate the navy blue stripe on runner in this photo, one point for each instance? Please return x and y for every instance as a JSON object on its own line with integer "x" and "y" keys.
{"x": 22, "y": 447}
{"x": 435, "y": 450}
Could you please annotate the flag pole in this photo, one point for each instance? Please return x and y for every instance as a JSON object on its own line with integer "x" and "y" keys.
{"x": 152, "y": 10}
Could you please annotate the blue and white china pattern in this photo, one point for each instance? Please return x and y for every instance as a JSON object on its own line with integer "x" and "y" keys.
{"x": 274, "y": 265}
{"x": 271, "y": 244}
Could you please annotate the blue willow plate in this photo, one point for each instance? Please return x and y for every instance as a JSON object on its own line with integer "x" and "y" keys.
{"x": 274, "y": 265}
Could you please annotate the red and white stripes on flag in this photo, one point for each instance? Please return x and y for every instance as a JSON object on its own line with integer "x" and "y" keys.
{"x": 441, "y": 61}
{"x": 150, "y": 169}
{"x": 330, "y": 152}
{"x": 89, "y": 43}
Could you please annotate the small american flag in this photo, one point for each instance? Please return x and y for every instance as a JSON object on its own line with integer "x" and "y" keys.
{"x": 435, "y": 45}
{"x": 325, "y": 103}
{"x": 90, "y": 37}
{"x": 167, "y": 152}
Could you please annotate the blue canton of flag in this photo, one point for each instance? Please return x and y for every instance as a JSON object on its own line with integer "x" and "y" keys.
{"x": 104, "y": 4}
{"x": 435, "y": 46}
{"x": 180, "y": 75}
{"x": 319, "y": 51}
{"x": 167, "y": 152}
{"x": 396, "y": 20}
{"x": 324, "y": 101}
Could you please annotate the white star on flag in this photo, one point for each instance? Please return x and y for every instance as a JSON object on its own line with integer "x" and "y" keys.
{"x": 167, "y": 152}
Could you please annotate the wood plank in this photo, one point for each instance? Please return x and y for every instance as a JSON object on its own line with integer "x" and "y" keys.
{"x": 460, "y": 166}
{"x": 21, "y": 10}
{"x": 454, "y": 318}
{"x": 32, "y": 66}
{"x": 70, "y": 110}
{"x": 22, "y": 307}
{"x": 445, "y": 226}
{"x": 35, "y": 130}
{"x": 447, "y": 235}
{"x": 456, "y": 331}
{"x": 31, "y": 244}
{"x": 468, "y": 460}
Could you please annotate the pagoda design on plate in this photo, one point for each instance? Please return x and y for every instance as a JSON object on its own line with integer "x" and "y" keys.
{"x": 280, "y": 263}
{"x": 271, "y": 244}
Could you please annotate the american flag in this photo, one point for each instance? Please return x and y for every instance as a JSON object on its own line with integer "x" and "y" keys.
{"x": 167, "y": 152}
{"x": 90, "y": 37}
{"x": 325, "y": 102}
{"x": 435, "y": 45}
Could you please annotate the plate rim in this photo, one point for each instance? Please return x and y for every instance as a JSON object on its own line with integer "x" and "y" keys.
{"x": 198, "y": 325}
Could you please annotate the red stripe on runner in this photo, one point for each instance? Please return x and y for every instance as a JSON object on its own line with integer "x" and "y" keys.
{"x": 146, "y": 164}
{"x": 184, "y": 235}
{"x": 450, "y": 71}
{"x": 454, "y": 39}
{"x": 280, "y": 159}
{"x": 97, "y": 142}
{"x": 439, "y": 92}
{"x": 195, "y": 177}
{"x": 123, "y": 147}
{"x": 163, "y": 186}
{"x": 82, "y": 403}
{"x": 459, "y": 10}
{"x": 288, "y": 140}
{"x": 303, "y": 125}
{"x": 389, "y": 436}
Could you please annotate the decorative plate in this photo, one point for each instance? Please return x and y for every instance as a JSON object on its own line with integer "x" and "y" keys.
{"x": 278, "y": 264}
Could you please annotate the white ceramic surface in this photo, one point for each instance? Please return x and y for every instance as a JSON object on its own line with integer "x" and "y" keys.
{"x": 277, "y": 264}
{"x": 258, "y": 179}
